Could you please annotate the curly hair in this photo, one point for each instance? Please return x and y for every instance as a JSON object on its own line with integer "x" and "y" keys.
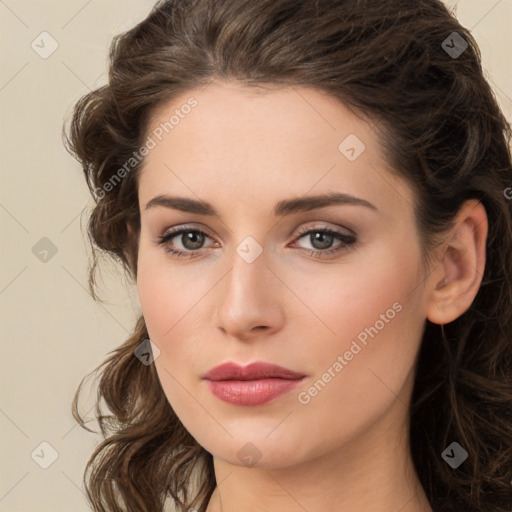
{"x": 443, "y": 132}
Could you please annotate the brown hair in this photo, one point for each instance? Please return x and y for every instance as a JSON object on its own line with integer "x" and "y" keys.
{"x": 443, "y": 132}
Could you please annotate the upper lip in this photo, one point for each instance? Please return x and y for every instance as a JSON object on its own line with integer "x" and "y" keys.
{"x": 253, "y": 371}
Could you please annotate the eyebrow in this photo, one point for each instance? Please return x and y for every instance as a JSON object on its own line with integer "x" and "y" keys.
{"x": 282, "y": 208}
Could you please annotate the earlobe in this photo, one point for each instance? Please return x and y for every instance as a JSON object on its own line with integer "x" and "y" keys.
{"x": 461, "y": 263}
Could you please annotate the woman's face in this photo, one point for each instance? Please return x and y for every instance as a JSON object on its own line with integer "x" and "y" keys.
{"x": 261, "y": 280}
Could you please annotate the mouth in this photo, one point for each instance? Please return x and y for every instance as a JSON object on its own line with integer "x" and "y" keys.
{"x": 255, "y": 384}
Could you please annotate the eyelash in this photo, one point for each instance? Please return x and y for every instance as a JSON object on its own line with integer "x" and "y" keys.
{"x": 347, "y": 241}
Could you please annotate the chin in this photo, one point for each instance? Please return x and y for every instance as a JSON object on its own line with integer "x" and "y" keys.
{"x": 258, "y": 452}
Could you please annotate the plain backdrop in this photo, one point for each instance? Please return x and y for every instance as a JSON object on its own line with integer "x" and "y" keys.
{"x": 54, "y": 333}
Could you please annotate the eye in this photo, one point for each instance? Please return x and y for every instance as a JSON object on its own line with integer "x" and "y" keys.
{"x": 193, "y": 239}
{"x": 322, "y": 240}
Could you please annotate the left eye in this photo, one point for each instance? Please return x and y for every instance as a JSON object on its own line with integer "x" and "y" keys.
{"x": 322, "y": 238}
{"x": 192, "y": 241}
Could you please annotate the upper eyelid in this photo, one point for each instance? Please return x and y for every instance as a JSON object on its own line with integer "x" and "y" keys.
{"x": 179, "y": 229}
{"x": 325, "y": 227}
{"x": 302, "y": 231}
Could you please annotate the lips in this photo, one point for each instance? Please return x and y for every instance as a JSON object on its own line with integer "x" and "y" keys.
{"x": 255, "y": 384}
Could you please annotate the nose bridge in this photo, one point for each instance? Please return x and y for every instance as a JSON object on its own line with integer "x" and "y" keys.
{"x": 248, "y": 272}
{"x": 246, "y": 299}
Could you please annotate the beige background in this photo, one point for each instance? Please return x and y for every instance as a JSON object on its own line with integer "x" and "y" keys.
{"x": 54, "y": 333}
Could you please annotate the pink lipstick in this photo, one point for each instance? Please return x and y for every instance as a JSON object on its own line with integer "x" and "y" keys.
{"x": 255, "y": 384}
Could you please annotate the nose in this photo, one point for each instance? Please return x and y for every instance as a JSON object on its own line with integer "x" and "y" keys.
{"x": 249, "y": 299}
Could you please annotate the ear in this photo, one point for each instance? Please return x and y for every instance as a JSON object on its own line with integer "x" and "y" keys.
{"x": 460, "y": 264}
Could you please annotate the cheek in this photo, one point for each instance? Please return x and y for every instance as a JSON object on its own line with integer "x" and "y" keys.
{"x": 171, "y": 320}
{"x": 174, "y": 302}
{"x": 372, "y": 292}
{"x": 372, "y": 318}
{"x": 166, "y": 293}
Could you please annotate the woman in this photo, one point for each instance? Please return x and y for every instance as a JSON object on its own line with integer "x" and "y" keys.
{"x": 311, "y": 198}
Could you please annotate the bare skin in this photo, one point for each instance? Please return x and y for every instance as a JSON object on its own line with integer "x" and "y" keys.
{"x": 343, "y": 447}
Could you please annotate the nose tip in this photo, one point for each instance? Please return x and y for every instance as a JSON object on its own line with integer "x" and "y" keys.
{"x": 248, "y": 304}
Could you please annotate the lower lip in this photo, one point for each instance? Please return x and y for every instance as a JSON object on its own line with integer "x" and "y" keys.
{"x": 251, "y": 392}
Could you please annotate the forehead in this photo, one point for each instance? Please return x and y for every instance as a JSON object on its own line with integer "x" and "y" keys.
{"x": 267, "y": 118}
{"x": 263, "y": 141}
